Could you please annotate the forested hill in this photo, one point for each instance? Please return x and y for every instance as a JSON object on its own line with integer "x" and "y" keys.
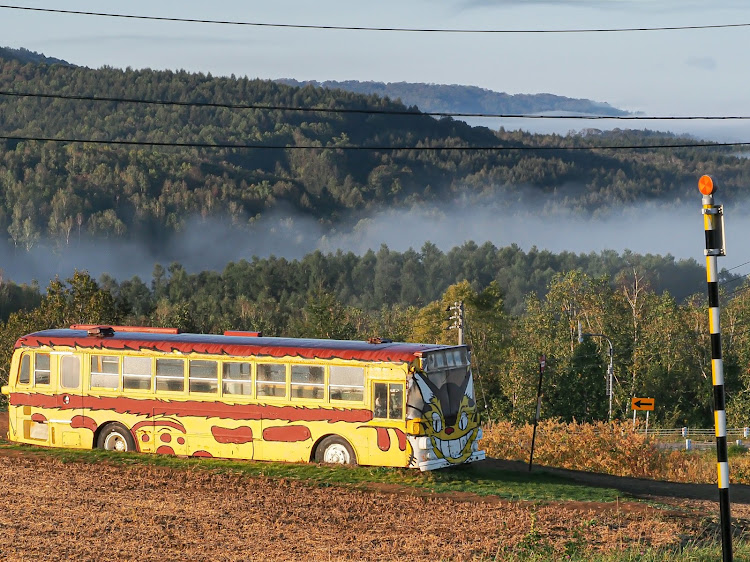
{"x": 24, "y": 56}
{"x": 466, "y": 99}
{"x": 326, "y": 164}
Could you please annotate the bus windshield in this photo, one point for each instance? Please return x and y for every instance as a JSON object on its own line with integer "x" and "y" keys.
{"x": 447, "y": 388}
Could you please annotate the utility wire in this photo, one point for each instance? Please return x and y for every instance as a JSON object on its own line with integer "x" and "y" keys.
{"x": 723, "y": 284}
{"x": 368, "y": 28}
{"x": 233, "y": 105}
{"x": 374, "y": 148}
{"x": 738, "y": 266}
{"x": 412, "y": 113}
{"x": 736, "y": 291}
{"x": 736, "y": 279}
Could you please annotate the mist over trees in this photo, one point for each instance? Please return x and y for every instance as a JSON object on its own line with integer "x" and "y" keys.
{"x": 63, "y": 191}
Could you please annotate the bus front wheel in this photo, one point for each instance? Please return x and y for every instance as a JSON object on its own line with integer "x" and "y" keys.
{"x": 115, "y": 437}
{"x": 335, "y": 450}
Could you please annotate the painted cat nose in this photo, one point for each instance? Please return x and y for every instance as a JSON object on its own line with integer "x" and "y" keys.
{"x": 448, "y": 430}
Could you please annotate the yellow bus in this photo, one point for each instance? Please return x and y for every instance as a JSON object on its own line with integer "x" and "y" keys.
{"x": 241, "y": 395}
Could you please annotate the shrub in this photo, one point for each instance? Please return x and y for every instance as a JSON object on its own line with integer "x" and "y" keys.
{"x": 607, "y": 448}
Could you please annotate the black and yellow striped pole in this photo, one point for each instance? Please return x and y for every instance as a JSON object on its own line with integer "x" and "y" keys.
{"x": 713, "y": 222}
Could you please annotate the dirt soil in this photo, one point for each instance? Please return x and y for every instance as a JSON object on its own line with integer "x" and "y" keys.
{"x": 57, "y": 511}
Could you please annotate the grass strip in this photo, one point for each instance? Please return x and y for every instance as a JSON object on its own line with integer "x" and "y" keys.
{"x": 473, "y": 478}
{"x": 686, "y": 553}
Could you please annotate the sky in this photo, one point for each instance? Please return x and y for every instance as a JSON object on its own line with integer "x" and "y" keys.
{"x": 685, "y": 72}
{"x": 657, "y": 72}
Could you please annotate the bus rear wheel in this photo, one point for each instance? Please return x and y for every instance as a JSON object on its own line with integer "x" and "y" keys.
{"x": 335, "y": 450}
{"x": 116, "y": 437}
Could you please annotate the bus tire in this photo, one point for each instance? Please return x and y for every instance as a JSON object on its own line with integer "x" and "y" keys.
{"x": 115, "y": 437}
{"x": 335, "y": 450}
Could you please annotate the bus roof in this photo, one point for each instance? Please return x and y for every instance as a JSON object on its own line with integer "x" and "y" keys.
{"x": 234, "y": 346}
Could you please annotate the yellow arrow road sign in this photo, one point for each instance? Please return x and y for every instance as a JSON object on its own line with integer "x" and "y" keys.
{"x": 642, "y": 403}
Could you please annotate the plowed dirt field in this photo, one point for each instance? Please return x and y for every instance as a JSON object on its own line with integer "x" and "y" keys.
{"x": 52, "y": 510}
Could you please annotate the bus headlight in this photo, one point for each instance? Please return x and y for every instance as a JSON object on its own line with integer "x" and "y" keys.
{"x": 427, "y": 456}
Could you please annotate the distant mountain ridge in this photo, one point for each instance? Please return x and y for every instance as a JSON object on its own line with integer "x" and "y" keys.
{"x": 428, "y": 97}
{"x": 467, "y": 99}
{"x": 25, "y": 56}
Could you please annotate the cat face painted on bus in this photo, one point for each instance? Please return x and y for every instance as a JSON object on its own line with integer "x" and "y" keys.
{"x": 451, "y": 430}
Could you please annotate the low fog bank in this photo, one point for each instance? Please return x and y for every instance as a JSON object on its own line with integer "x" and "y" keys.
{"x": 709, "y": 130}
{"x": 211, "y": 244}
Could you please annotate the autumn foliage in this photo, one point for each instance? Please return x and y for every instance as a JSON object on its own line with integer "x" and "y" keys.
{"x": 609, "y": 449}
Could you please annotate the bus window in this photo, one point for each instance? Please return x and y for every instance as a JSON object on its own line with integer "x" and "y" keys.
{"x": 235, "y": 378}
{"x": 389, "y": 401}
{"x": 136, "y": 373}
{"x": 203, "y": 376}
{"x": 105, "y": 371}
{"x": 347, "y": 383}
{"x": 170, "y": 375}
{"x": 41, "y": 368}
{"x": 271, "y": 380}
{"x": 307, "y": 382}
{"x": 395, "y": 401}
{"x": 70, "y": 371}
{"x": 25, "y": 375}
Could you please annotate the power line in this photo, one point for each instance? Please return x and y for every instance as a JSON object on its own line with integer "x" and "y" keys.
{"x": 738, "y": 266}
{"x": 736, "y": 279}
{"x": 736, "y": 291}
{"x": 412, "y": 113}
{"x": 228, "y": 105}
{"x": 375, "y": 148}
{"x": 723, "y": 284}
{"x": 388, "y": 29}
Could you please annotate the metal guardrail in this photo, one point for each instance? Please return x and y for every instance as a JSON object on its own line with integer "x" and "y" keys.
{"x": 694, "y": 438}
{"x": 694, "y": 433}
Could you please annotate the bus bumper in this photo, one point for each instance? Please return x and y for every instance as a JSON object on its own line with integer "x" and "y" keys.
{"x": 426, "y": 459}
{"x": 442, "y": 463}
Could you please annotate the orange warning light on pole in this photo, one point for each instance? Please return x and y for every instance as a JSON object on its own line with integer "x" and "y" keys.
{"x": 706, "y": 185}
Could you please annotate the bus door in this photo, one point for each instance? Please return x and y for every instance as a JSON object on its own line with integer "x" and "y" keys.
{"x": 34, "y": 380}
{"x": 66, "y": 424}
{"x": 20, "y": 411}
{"x": 387, "y": 444}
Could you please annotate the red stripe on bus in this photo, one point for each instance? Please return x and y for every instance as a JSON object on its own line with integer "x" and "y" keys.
{"x": 384, "y": 440}
{"x": 84, "y": 422}
{"x": 238, "y": 436}
{"x": 156, "y": 407}
{"x": 286, "y": 433}
{"x": 401, "y": 439}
